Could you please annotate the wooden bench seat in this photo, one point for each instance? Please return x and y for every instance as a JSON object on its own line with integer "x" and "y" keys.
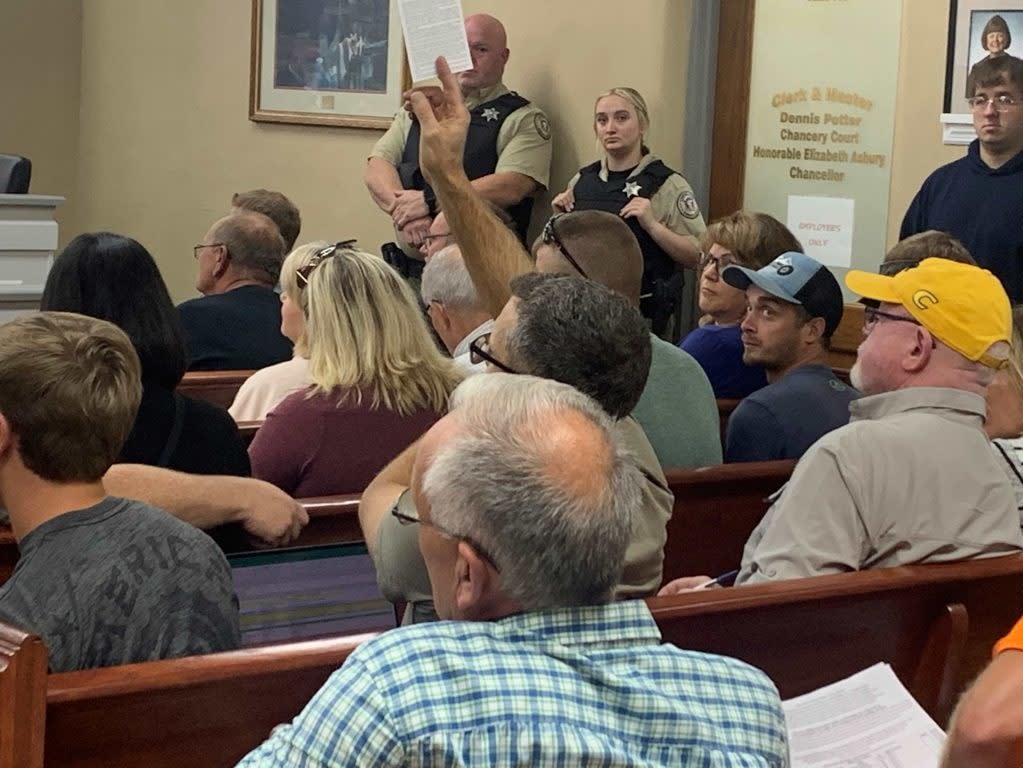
{"x": 217, "y": 387}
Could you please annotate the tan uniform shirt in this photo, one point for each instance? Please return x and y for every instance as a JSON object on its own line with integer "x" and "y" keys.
{"x": 674, "y": 204}
{"x": 401, "y": 572}
{"x": 523, "y": 141}
{"x": 912, "y": 478}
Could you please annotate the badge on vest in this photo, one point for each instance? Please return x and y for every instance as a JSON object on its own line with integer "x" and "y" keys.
{"x": 631, "y": 188}
{"x": 687, "y": 206}
{"x": 490, "y": 114}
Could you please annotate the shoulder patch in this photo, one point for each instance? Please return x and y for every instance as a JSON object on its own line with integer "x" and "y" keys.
{"x": 687, "y": 206}
{"x": 542, "y": 125}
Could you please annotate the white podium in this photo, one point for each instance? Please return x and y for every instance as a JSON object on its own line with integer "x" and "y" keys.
{"x": 28, "y": 239}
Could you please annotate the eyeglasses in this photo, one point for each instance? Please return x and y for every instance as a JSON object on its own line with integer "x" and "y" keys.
{"x": 197, "y": 248}
{"x": 719, "y": 262}
{"x": 406, "y": 519}
{"x": 303, "y": 273}
{"x": 427, "y": 239}
{"x": 550, "y": 235}
{"x": 1003, "y": 102}
{"x": 479, "y": 352}
{"x": 872, "y": 316}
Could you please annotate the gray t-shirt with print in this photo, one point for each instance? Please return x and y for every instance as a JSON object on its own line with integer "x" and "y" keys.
{"x": 121, "y": 582}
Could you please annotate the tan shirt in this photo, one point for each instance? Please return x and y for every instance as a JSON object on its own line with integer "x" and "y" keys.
{"x": 401, "y": 572}
{"x": 523, "y": 141}
{"x": 674, "y": 204}
{"x": 263, "y": 390}
{"x": 911, "y": 479}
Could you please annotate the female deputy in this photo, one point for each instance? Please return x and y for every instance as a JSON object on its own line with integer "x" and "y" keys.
{"x": 655, "y": 201}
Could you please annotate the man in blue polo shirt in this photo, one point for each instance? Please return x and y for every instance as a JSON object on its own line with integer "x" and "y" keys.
{"x": 979, "y": 198}
{"x": 794, "y": 304}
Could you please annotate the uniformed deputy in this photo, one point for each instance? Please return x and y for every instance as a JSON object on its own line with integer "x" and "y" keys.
{"x": 507, "y": 152}
{"x": 655, "y": 201}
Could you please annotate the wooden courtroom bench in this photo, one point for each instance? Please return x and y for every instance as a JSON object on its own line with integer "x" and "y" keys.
{"x": 846, "y": 340}
{"x": 716, "y": 509}
{"x": 217, "y": 387}
{"x": 198, "y": 711}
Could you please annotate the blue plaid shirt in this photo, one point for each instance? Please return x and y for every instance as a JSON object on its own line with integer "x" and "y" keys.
{"x": 571, "y": 687}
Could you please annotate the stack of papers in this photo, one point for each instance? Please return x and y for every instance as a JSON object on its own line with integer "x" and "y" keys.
{"x": 868, "y": 720}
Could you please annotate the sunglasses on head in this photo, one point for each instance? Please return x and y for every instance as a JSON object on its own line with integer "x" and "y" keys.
{"x": 303, "y": 273}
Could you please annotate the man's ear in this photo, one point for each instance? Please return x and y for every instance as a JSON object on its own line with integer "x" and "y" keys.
{"x": 442, "y": 320}
{"x": 813, "y": 330}
{"x": 220, "y": 265}
{"x": 919, "y": 355}
{"x": 8, "y": 439}
{"x": 476, "y": 583}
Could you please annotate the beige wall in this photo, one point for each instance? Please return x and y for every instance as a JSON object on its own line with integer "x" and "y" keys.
{"x": 917, "y": 148}
{"x": 166, "y": 139}
{"x": 40, "y": 54}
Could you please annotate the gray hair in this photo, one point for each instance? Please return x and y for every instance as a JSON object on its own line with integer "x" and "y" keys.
{"x": 500, "y": 485}
{"x": 254, "y": 244}
{"x": 446, "y": 280}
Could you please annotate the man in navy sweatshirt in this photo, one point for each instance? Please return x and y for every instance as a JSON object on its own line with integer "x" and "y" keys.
{"x": 979, "y": 198}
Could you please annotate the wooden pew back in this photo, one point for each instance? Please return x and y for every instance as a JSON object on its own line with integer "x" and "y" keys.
{"x": 203, "y": 710}
{"x": 22, "y": 698}
{"x": 217, "y": 387}
{"x": 716, "y": 509}
{"x": 846, "y": 339}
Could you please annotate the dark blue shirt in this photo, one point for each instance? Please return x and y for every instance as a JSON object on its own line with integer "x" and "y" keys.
{"x": 718, "y": 350}
{"x": 783, "y": 419}
{"x": 236, "y": 330}
{"x": 980, "y": 205}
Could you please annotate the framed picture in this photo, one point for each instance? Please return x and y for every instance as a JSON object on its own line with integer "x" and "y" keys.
{"x": 327, "y": 62}
{"x": 978, "y": 29}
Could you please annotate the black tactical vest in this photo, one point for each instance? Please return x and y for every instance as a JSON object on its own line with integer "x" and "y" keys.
{"x": 480, "y": 158}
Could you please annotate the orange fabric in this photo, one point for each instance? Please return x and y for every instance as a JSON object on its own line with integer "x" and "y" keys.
{"x": 1012, "y": 641}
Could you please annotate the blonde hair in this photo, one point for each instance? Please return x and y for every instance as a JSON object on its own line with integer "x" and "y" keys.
{"x": 1015, "y": 366}
{"x": 635, "y": 98}
{"x": 290, "y": 286}
{"x": 70, "y": 387}
{"x": 366, "y": 335}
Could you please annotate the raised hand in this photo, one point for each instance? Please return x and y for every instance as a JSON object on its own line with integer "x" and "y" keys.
{"x": 444, "y": 123}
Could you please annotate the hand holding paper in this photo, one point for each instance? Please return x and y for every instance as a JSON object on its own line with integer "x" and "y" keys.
{"x": 444, "y": 123}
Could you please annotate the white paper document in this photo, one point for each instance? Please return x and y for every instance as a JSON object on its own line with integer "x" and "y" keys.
{"x": 868, "y": 720}
{"x": 434, "y": 28}
{"x": 824, "y": 225}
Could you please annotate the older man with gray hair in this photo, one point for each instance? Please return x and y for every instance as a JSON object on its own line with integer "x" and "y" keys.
{"x": 524, "y": 497}
{"x": 236, "y": 323}
{"x": 453, "y": 306}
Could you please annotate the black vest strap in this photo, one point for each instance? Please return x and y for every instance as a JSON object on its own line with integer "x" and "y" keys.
{"x": 480, "y": 158}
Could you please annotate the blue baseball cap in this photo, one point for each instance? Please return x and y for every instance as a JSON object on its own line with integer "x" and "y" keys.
{"x": 798, "y": 279}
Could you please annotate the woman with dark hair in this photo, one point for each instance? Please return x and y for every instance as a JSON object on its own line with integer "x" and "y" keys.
{"x": 995, "y": 38}
{"x": 114, "y": 278}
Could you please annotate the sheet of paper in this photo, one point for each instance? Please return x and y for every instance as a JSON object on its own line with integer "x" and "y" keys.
{"x": 824, "y": 225}
{"x": 868, "y": 720}
{"x": 434, "y": 28}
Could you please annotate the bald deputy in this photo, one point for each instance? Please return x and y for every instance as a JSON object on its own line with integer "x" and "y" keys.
{"x": 507, "y": 154}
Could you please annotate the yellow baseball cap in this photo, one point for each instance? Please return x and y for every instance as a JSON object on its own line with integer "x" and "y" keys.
{"x": 963, "y": 306}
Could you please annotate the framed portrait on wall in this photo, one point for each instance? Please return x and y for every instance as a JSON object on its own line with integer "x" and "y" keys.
{"x": 978, "y": 30}
{"x": 326, "y": 62}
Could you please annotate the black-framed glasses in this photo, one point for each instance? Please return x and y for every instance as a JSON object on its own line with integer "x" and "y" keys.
{"x": 1003, "y": 102}
{"x": 872, "y": 316}
{"x": 407, "y": 519}
{"x": 200, "y": 246}
{"x": 479, "y": 352}
{"x": 427, "y": 239}
{"x": 303, "y": 273}
{"x": 719, "y": 262}
{"x": 549, "y": 236}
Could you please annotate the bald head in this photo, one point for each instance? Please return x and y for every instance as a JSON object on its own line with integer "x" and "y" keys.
{"x": 602, "y": 244}
{"x": 488, "y": 46}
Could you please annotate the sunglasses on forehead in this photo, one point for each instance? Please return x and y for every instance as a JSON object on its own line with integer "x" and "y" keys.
{"x": 549, "y": 236}
{"x": 303, "y": 273}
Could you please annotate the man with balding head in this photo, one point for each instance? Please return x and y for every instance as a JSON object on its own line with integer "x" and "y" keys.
{"x": 507, "y": 155}
{"x": 236, "y": 324}
{"x": 453, "y": 306}
{"x": 523, "y": 503}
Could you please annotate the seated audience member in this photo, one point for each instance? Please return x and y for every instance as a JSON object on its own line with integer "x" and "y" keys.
{"x": 102, "y": 580}
{"x": 925, "y": 245}
{"x": 235, "y": 324}
{"x": 523, "y": 497}
{"x": 749, "y": 240}
{"x": 379, "y": 382}
{"x": 677, "y": 409}
{"x": 573, "y": 331}
{"x": 276, "y": 207}
{"x": 453, "y": 306}
{"x": 987, "y": 728}
{"x": 912, "y": 477}
{"x": 114, "y": 278}
{"x": 265, "y": 388}
{"x": 1004, "y": 423}
{"x": 440, "y": 236}
{"x": 795, "y": 304}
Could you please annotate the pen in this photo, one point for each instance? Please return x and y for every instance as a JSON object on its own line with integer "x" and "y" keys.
{"x": 719, "y": 580}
